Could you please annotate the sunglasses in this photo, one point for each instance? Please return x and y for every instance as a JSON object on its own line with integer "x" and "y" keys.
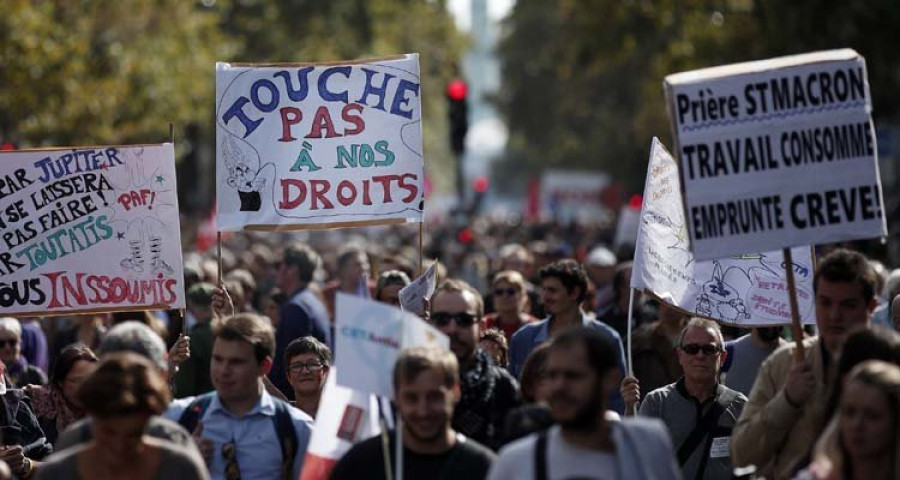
{"x": 462, "y": 319}
{"x": 11, "y": 343}
{"x": 708, "y": 350}
{"x": 499, "y": 292}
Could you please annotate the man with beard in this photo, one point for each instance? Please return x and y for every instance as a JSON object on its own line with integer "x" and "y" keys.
{"x": 746, "y": 354}
{"x": 488, "y": 391}
{"x": 581, "y": 374}
{"x": 788, "y": 402}
{"x": 426, "y": 389}
{"x": 699, "y": 412}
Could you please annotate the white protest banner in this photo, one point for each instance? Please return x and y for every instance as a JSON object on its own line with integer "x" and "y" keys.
{"x": 370, "y": 336}
{"x": 747, "y": 289}
{"x": 413, "y": 296}
{"x": 345, "y": 417}
{"x": 319, "y": 146}
{"x": 89, "y": 229}
{"x": 777, "y": 153}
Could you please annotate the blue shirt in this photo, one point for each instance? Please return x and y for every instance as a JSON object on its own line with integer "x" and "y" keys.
{"x": 257, "y": 445}
{"x": 534, "y": 334}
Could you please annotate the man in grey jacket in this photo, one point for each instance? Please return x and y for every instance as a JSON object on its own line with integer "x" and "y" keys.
{"x": 581, "y": 374}
{"x": 699, "y": 412}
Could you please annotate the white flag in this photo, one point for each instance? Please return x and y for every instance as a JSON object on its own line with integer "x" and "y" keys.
{"x": 345, "y": 417}
{"x": 744, "y": 290}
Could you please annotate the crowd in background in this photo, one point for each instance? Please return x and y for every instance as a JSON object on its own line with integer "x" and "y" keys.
{"x": 537, "y": 320}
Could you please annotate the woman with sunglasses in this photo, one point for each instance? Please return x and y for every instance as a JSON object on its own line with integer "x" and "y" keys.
{"x": 307, "y": 361}
{"x": 121, "y": 396}
{"x": 18, "y": 371}
{"x": 510, "y": 303}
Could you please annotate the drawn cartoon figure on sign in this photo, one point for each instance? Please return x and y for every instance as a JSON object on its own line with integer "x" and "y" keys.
{"x": 678, "y": 231}
{"x": 242, "y": 176}
{"x": 720, "y": 299}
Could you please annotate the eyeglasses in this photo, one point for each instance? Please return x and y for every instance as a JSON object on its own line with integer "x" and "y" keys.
{"x": 499, "y": 292}
{"x": 311, "y": 366}
{"x": 708, "y": 350}
{"x": 232, "y": 469}
{"x": 11, "y": 342}
{"x": 462, "y": 319}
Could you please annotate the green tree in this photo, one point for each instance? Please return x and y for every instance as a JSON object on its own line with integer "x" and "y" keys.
{"x": 583, "y": 78}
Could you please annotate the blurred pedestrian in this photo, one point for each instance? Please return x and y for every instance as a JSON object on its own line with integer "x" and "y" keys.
{"x": 582, "y": 373}
{"x": 18, "y": 370}
{"x": 121, "y": 396}
{"x": 510, "y": 304}
{"x": 388, "y": 286}
{"x": 493, "y": 342}
{"x": 55, "y": 404}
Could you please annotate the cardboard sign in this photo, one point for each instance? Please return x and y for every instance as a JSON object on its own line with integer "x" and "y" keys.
{"x": 370, "y": 335}
{"x": 777, "y": 153}
{"x": 319, "y": 146}
{"x": 747, "y": 289}
{"x": 89, "y": 229}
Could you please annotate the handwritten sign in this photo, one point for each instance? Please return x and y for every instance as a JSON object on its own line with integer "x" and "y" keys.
{"x": 777, "y": 153}
{"x": 89, "y": 229}
{"x": 413, "y": 296}
{"x": 370, "y": 335}
{"x": 746, "y": 289}
{"x": 319, "y": 146}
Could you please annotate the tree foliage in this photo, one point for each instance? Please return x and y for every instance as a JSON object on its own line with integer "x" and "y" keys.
{"x": 583, "y": 78}
{"x": 77, "y": 72}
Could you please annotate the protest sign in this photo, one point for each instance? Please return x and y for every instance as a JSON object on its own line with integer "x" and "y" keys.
{"x": 746, "y": 289}
{"x": 319, "y": 146}
{"x": 777, "y": 153}
{"x": 413, "y": 296}
{"x": 89, "y": 229}
{"x": 370, "y": 336}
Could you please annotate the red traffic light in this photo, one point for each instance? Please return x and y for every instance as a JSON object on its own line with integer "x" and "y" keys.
{"x": 457, "y": 90}
{"x": 635, "y": 202}
{"x": 480, "y": 184}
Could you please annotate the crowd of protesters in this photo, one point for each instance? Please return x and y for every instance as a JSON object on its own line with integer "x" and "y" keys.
{"x": 535, "y": 384}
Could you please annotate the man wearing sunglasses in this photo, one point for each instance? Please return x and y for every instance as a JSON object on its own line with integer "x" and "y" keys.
{"x": 488, "y": 391}
{"x": 699, "y": 411}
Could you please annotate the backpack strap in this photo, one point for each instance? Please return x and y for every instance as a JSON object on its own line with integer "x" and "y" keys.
{"x": 191, "y": 415}
{"x": 540, "y": 457}
{"x": 701, "y": 431}
{"x": 287, "y": 437}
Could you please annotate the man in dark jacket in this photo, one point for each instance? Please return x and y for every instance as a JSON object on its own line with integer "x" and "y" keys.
{"x": 489, "y": 392}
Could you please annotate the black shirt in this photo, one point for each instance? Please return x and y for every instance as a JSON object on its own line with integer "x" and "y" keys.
{"x": 467, "y": 459}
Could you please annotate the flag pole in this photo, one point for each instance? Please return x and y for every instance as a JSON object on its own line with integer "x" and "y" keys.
{"x": 421, "y": 257}
{"x": 398, "y": 448}
{"x": 796, "y": 328}
{"x": 219, "y": 259}
{"x": 630, "y": 308}
{"x": 386, "y": 448}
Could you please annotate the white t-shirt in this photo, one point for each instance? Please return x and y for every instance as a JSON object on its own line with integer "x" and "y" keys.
{"x": 564, "y": 461}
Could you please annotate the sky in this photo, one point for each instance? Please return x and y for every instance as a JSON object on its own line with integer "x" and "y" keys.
{"x": 497, "y": 9}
